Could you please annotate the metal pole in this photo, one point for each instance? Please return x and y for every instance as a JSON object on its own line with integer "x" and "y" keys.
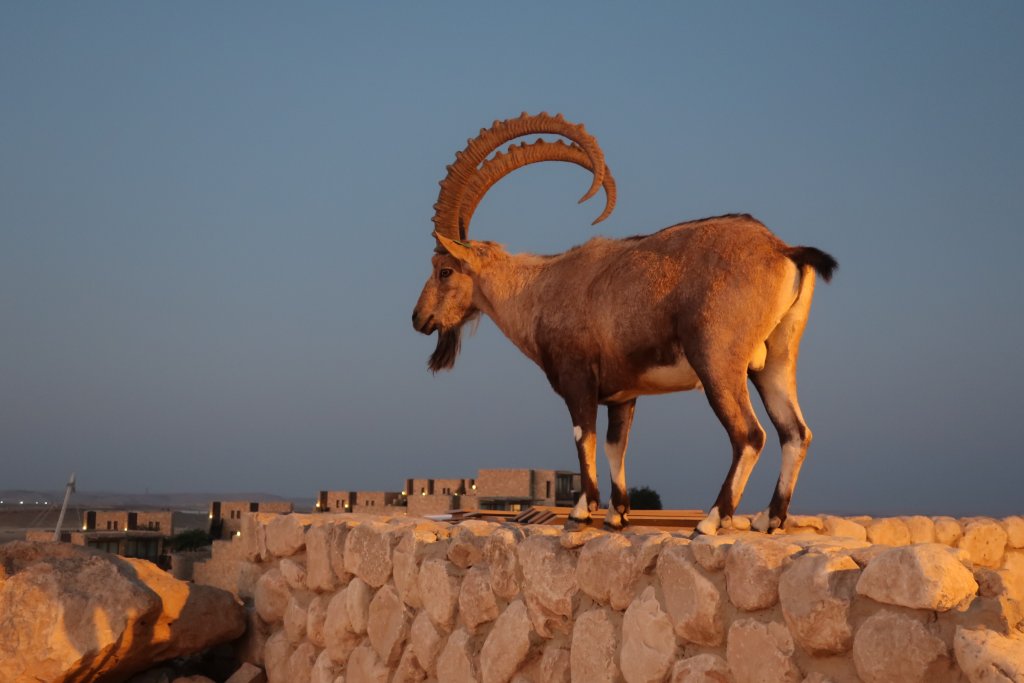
{"x": 64, "y": 507}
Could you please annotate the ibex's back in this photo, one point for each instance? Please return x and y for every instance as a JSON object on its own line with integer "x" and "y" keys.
{"x": 704, "y": 304}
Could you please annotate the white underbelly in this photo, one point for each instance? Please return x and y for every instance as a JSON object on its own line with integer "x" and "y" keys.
{"x": 666, "y": 379}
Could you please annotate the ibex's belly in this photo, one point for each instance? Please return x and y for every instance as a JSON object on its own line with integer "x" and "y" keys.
{"x": 665, "y": 379}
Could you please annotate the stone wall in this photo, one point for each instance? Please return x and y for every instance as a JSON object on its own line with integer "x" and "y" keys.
{"x": 351, "y": 598}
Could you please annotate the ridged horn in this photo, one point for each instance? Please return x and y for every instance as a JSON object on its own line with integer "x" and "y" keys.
{"x": 449, "y": 219}
{"x": 516, "y": 157}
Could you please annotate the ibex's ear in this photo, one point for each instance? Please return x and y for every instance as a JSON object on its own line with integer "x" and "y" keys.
{"x": 463, "y": 251}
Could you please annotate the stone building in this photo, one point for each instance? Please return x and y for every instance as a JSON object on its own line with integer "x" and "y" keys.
{"x": 226, "y": 516}
{"x": 168, "y": 522}
{"x": 493, "y": 489}
{"x": 148, "y": 545}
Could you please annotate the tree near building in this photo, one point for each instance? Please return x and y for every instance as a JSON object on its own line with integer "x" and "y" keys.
{"x": 644, "y": 498}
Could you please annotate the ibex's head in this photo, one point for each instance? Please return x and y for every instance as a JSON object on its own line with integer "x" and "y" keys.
{"x": 446, "y": 303}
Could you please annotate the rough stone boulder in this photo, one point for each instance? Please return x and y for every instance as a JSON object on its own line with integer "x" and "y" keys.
{"x": 72, "y": 613}
{"x": 926, "y": 576}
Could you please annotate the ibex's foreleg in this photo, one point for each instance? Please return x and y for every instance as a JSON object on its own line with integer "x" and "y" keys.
{"x": 584, "y": 432}
{"x": 731, "y": 403}
{"x": 620, "y": 419}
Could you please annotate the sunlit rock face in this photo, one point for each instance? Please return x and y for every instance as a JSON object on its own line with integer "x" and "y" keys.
{"x": 69, "y": 613}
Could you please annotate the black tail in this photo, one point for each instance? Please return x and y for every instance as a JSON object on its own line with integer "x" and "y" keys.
{"x": 822, "y": 263}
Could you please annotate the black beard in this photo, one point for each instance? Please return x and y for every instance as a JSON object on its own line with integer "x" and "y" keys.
{"x": 448, "y": 344}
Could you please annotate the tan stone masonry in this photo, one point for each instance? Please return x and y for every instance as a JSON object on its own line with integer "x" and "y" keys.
{"x": 351, "y": 598}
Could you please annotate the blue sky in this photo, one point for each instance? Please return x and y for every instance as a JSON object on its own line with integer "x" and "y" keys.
{"x": 215, "y": 221}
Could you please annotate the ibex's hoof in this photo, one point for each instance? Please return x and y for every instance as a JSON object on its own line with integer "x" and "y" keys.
{"x": 761, "y": 522}
{"x": 608, "y": 526}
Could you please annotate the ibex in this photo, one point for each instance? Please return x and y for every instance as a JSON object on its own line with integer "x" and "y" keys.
{"x": 698, "y": 305}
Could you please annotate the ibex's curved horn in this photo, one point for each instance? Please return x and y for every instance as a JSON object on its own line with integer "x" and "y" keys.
{"x": 518, "y": 156}
{"x": 449, "y": 219}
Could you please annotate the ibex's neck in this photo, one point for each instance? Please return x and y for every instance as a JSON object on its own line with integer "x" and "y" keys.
{"x": 508, "y": 293}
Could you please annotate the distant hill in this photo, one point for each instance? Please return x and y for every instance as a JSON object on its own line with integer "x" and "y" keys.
{"x": 113, "y": 499}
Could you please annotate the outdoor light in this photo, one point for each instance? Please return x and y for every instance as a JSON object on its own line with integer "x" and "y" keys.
{"x": 403, "y": 493}
{"x": 211, "y": 515}
{"x": 474, "y": 487}
{"x": 423, "y": 493}
{"x": 85, "y": 527}
{"x": 238, "y": 533}
{"x": 318, "y": 503}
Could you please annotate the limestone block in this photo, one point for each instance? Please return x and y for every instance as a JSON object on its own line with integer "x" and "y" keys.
{"x": 388, "y": 624}
{"x": 648, "y": 641}
{"x": 456, "y": 663}
{"x": 804, "y": 524}
{"x": 271, "y": 596}
{"x": 286, "y": 535}
{"x": 947, "y": 531}
{"x": 500, "y": 553}
{"x": 406, "y": 573}
{"x": 325, "y": 669}
{"x": 365, "y": 667}
{"x": 357, "y": 600}
{"x": 759, "y": 653}
{"x": 506, "y": 645}
{"x": 577, "y": 539}
{"x": 249, "y": 547}
{"x": 553, "y": 664}
{"x": 705, "y": 668}
{"x": 339, "y": 635}
{"x": 549, "y": 583}
{"x": 889, "y": 531}
{"x": 294, "y": 573}
{"x": 276, "y": 655}
{"x": 337, "y": 534}
{"x": 894, "y": 647}
{"x": 302, "y": 661}
{"x": 985, "y": 540}
{"x": 368, "y": 552}
{"x": 408, "y": 669}
{"x": 863, "y": 556}
{"x": 477, "y": 604}
{"x": 466, "y": 545}
{"x": 987, "y": 657}
{"x": 926, "y": 576}
{"x": 752, "y": 572}
{"x": 693, "y": 602}
{"x": 316, "y": 614}
{"x": 296, "y": 615}
{"x": 319, "y": 575}
{"x": 607, "y": 570}
{"x": 248, "y": 673}
{"x": 921, "y": 528}
{"x": 817, "y": 677}
{"x": 815, "y": 592}
{"x": 593, "y": 656}
{"x": 647, "y": 547}
{"x": 439, "y": 591}
{"x": 711, "y": 551}
{"x": 844, "y": 528}
{"x": 250, "y": 647}
{"x": 426, "y": 641}
{"x": 1014, "y": 527}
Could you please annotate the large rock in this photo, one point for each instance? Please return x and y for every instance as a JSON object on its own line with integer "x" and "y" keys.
{"x": 844, "y": 528}
{"x": 466, "y": 545}
{"x": 815, "y": 592}
{"x": 271, "y": 596}
{"x": 889, "y": 531}
{"x": 316, "y": 615}
{"x": 302, "y": 661}
{"x": 408, "y": 669}
{"x": 711, "y": 551}
{"x": 947, "y": 531}
{"x": 987, "y": 657}
{"x": 1014, "y": 527}
{"x": 648, "y": 642}
{"x": 926, "y": 576}
{"x": 286, "y": 535}
{"x": 339, "y": 636}
{"x": 693, "y": 602}
{"x": 549, "y": 574}
{"x": 439, "y": 591}
{"x": 593, "y": 656}
{"x": 456, "y": 663}
{"x": 985, "y": 540}
{"x": 752, "y": 572}
{"x": 759, "y": 653}
{"x": 319, "y": 574}
{"x": 500, "y": 555}
{"x": 705, "y": 668}
{"x": 72, "y": 613}
{"x": 357, "y": 598}
{"x": 365, "y": 667}
{"x": 368, "y": 552}
{"x": 294, "y": 573}
{"x": 608, "y": 571}
{"x": 426, "y": 641}
{"x": 325, "y": 669}
{"x": 921, "y": 528}
{"x": 388, "y": 624}
{"x": 891, "y": 647}
{"x": 277, "y": 655}
{"x": 477, "y": 604}
{"x": 296, "y": 615}
{"x": 506, "y": 645}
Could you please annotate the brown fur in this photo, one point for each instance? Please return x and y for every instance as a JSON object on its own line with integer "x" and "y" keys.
{"x": 598, "y": 317}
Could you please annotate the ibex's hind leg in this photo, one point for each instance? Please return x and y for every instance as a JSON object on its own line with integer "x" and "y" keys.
{"x": 777, "y": 385}
{"x": 620, "y": 419}
{"x": 731, "y": 402}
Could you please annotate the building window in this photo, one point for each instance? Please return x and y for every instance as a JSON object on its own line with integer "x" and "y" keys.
{"x": 547, "y": 489}
{"x": 156, "y": 525}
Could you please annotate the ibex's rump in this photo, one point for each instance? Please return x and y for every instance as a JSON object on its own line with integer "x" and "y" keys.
{"x": 705, "y": 304}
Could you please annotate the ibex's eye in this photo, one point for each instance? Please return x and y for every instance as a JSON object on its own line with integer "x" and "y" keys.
{"x": 444, "y": 272}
